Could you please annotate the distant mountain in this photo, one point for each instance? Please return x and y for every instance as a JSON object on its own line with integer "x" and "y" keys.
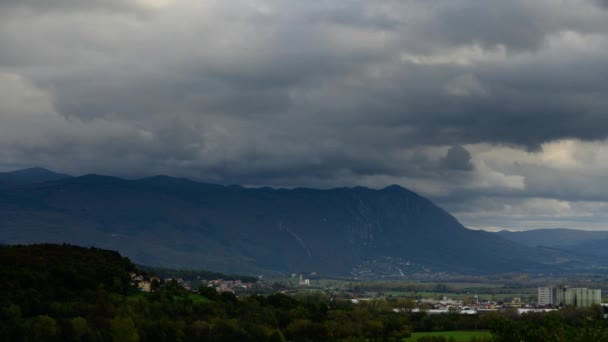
{"x": 579, "y": 241}
{"x": 30, "y": 176}
{"x": 173, "y": 222}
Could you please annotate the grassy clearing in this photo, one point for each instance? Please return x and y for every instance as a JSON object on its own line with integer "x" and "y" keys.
{"x": 193, "y": 297}
{"x": 459, "y": 336}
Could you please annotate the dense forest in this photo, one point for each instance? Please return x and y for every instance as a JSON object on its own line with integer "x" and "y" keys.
{"x": 69, "y": 293}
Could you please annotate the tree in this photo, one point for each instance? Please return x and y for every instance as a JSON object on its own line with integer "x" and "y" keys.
{"x": 303, "y": 330}
{"x": 209, "y": 292}
{"x": 228, "y": 331}
{"x": 44, "y": 328}
{"x": 200, "y": 331}
{"x": 394, "y": 326}
{"x": 80, "y": 328}
{"x": 122, "y": 329}
{"x": 373, "y": 329}
{"x": 276, "y": 336}
{"x": 10, "y": 321}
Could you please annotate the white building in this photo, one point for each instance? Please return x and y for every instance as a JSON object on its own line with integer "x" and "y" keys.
{"x": 545, "y": 296}
{"x": 305, "y": 282}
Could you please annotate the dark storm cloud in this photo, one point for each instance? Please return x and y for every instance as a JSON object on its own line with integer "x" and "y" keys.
{"x": 504, "y": 103}
{"x": 293, "y": 66}
{"x": 292, "y": 93}
{"x": 515, "y": 24}
{"x": 458, "y": 158}
{"x": 603, "y": 3}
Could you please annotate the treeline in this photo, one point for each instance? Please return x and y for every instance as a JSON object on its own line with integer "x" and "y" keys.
{"x": 67, "y": 293}
{"x": 566, "y": 325}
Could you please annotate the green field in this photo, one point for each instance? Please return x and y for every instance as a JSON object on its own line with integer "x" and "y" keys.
{"x": 482, "y": 296}
{"x": 459, "y": 336}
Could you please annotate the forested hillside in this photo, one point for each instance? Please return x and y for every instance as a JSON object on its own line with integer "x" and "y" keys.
{"x": 68, "y": 293}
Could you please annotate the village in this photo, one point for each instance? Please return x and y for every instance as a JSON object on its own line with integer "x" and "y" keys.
{"x": 152, "y": 283}
{"x": 549, "y": 298}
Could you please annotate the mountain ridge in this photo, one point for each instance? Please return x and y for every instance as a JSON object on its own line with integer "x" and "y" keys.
{"x": 590, "y": 242}
{"x": 165, "y": 221}
{"x": 31, "y": 175}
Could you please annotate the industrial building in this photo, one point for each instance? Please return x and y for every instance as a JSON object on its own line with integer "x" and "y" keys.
{"x": 581, "y": 297}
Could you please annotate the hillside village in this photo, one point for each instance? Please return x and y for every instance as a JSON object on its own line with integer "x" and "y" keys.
{"x": 151, "y": 283}
{"x": 549, "y": 298}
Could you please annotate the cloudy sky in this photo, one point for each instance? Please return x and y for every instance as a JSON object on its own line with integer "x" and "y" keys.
{"x": 496, "y": 110}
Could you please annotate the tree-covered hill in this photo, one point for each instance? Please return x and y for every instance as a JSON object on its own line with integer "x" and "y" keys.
{"x": 40, "y": 274}
{"x": 69, "y": 293}
{"x": 65, "y": 293}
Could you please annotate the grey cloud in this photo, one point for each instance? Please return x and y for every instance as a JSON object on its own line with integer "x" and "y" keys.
{"x": 305, "y": 93}
{"x": 603, "y": 3}
{"x": 299, "y": 73}
{"x": 567, "y": 186}
{"x": 457, "y": 158}
{"x": 285, "y": 74}
{"x": 515, "y": 24}
{"x": 513, "y": 213}
{"x": 68, "y": 5}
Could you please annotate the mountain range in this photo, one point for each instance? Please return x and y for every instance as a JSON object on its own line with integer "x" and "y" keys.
{"x": 29, "y": 176}
{"x": 578, "y": 241}
{"x": 176, "y": 222}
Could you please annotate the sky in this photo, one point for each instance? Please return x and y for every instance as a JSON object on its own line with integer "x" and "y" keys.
{"x": 496, "y": 110}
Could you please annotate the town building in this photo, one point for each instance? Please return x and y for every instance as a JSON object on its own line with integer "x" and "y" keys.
{"x": 581, "y": 297}
{"x": 545, "y": 296}
{"x": 305, "y": 282}
{"x": 144, "y": 286}
{"x": 586, "y": 297}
